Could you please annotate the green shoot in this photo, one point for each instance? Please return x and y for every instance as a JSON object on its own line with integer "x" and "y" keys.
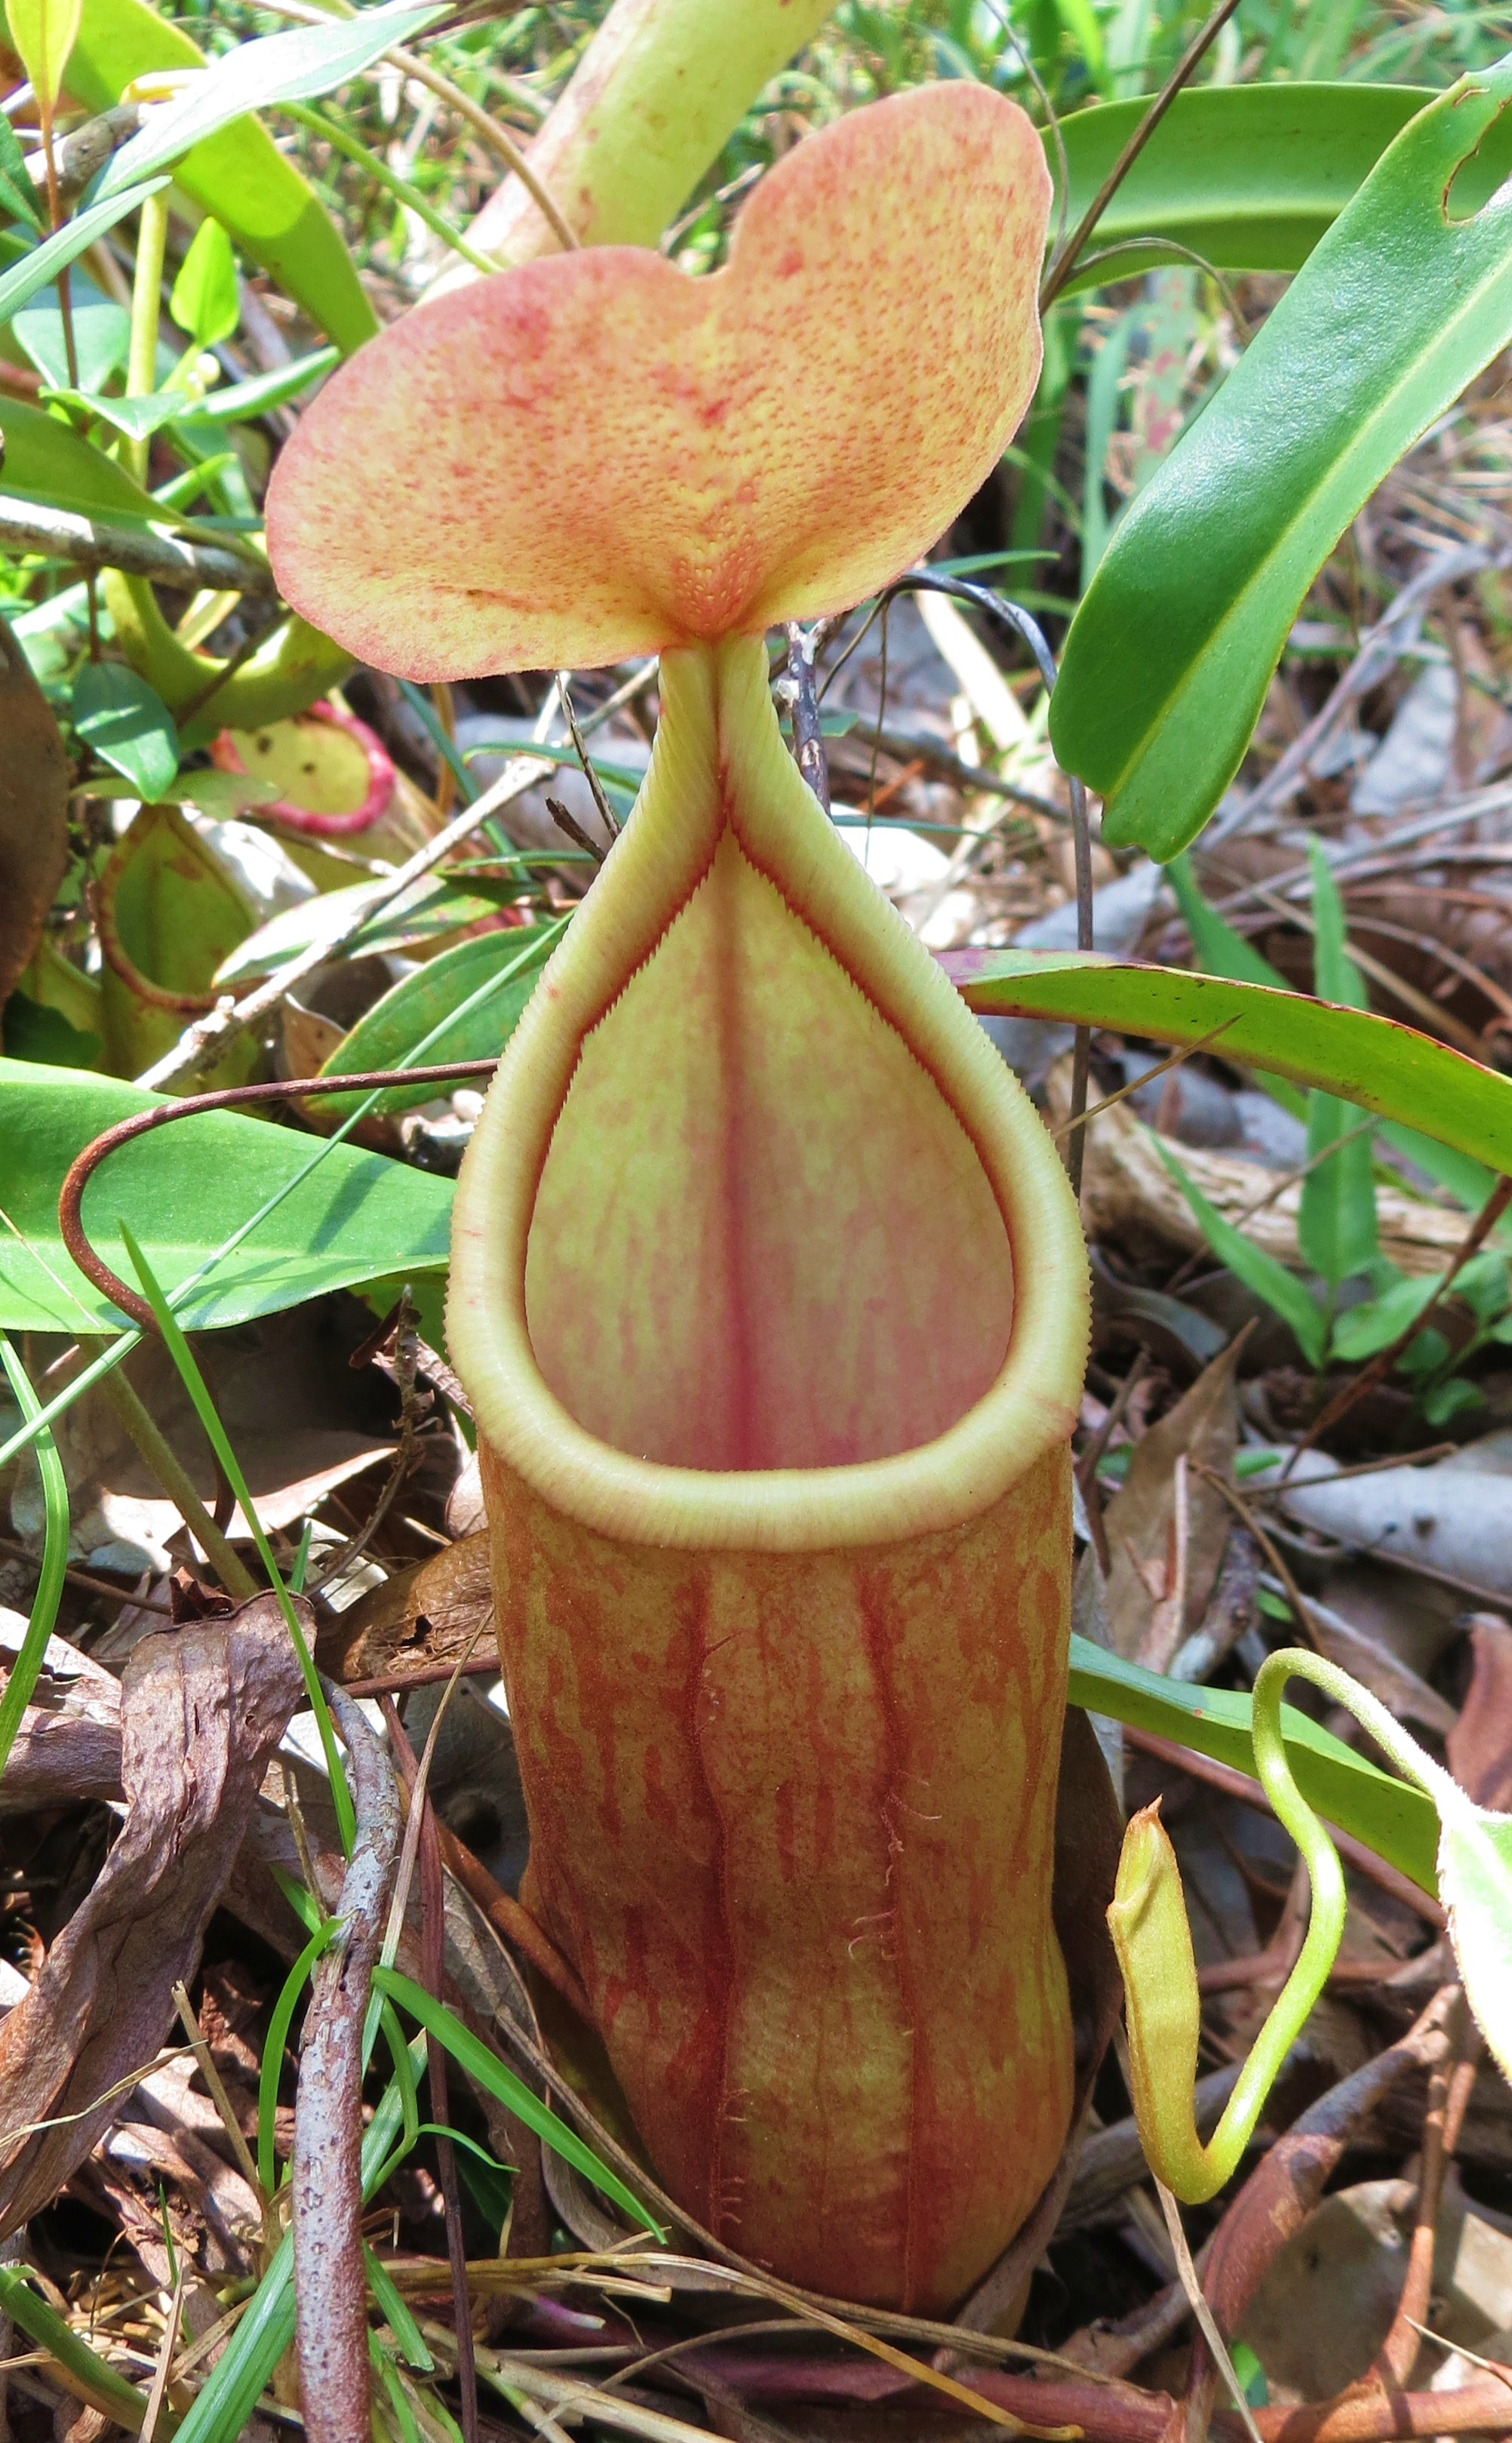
{"x": 194, "y": 1384}
{"x": 24, "y": 1671}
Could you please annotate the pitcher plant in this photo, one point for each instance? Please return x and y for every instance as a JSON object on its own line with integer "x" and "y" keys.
{"x": 768, "y": 1288}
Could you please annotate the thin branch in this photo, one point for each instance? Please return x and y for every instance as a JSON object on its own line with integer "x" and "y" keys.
{"x": 87, "y": 542}
{"x": 326, "y": 2177}
{"x": 1185, "y": 66}
{"x": 808, "y": 738}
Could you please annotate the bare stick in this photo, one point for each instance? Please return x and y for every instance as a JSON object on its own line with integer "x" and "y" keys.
{"x": 330, "y": 2278}
{"x": 87, "y": 542}
{"x": 1064, "y": 262}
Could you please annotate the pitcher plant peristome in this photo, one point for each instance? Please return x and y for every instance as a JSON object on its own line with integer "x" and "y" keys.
{"x": 767, "y": 1284}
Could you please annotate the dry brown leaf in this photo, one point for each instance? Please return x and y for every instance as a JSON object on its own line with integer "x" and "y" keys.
{"x": 33, "y": 811}
{"x": 1480, "y": 1745}
{"x": 202, "y": 1710}
{"x": 294, "y": 1419}
{"x": 1168, "y": 1524}
{"x": 67, "y": 1744}
{"x": 427, "y": 1615}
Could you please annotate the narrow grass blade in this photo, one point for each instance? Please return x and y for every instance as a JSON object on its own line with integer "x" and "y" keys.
{"x": 99, "y": 2384}
{"x": 194, "y": 1384}
{"x": 490, "y": 2073}
{"x": 28, "y": 1663}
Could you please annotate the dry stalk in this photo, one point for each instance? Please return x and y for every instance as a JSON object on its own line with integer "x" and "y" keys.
{"x": 331, "y": 2282}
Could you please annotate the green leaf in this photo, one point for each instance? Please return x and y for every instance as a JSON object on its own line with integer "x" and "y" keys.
{"x": 102, "y": 335}
{"x": 1249, "y": 176}
{"x": 1281, "y": 1290}
{"x": 1364, "y": 1331}
{"x": 276, "y": 67}
{"x": 357, "y": 1218}
{"x": 1169, "y": 657}
{"x": 270, "y": 212}
{"x": 205, "y": 301}
{"x": 127, "y": 724}
{"x": 413, "y": 1008}
{"x": 1336, "y": 1223}
{"x": 22, "y": 1678}
{"x": 39, "y": 269}
{"x": 139, "y": 418}
{"x": 239, "y": 401}
{"x": 31, "y": 1030}
{"x": 429, "y": 908}
{"x": 491, "y": 2074}
{"x": 1448, "y": 1400}
{"x": 187, "y": 1365}
{"x": 1224, "y": 952}
{"x": 48, "y": 461}
{"x": 94, "y": 2381}
{"x": 1101, "y": 416}
{"x": 42, "y": 32}
{"x": 395, "y": 2312}
{"x": 19, "y": 199}
{"x": 1385, "y": 1068}
{"x": 1393, "y": 1819}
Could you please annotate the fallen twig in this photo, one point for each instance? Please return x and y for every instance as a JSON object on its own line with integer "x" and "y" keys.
{"x": 432, "y": 1944}
{"x": 331, "y": 2282}
{"x": 138, "y": 551}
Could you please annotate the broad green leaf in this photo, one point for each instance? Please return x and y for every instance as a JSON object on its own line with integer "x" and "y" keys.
{"x": 412, "y": 1009}
{"x": 1372, "y": 1061}
{"x": 42, "y": 32}
{"x": 205, "y": 301}
{"x": 1281, "y": 1290}
{"x": 1393, "y": 1819}
{"x": 1224, "y": 952}
{"x": 18, "y": 199}
{"x": 46, "y": 462}
{"x": 102, "y": 335}
{"x": 238, "y": 175}
{"x": 39, "y": 269}
{"x": 127, "y": 724}
{"x": 30, "y": 1031}
{"x": 429, "y": 908}
{"x": 1169, "y": 657}
{"x": 1249, "y": 176}
{"x": 1336, "y": 1223}
{"x": 1365, "y": 1330}
{"x": 183, "y": 1189}
{"x": 276, "y": 67}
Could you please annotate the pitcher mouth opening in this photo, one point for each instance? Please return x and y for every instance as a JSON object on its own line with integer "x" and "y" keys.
{"x": 758, "y": 1243}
